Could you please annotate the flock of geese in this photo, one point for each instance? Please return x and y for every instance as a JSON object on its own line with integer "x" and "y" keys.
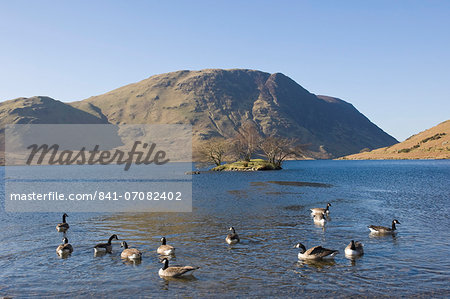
{"x": 353, "y": 249}
{"x": 132, "y": 254}
{"x": 166, "y": 251}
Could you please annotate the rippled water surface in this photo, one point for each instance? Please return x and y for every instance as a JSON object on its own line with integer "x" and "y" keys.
{"x": 270, "y": 217}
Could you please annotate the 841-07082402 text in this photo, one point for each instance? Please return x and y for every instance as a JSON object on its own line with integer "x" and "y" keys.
{"x": 100, "y": 195}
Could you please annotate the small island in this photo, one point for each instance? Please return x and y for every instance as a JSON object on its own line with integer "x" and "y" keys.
{"x": 252, "y": 165}
{"x": 242, "y": 149}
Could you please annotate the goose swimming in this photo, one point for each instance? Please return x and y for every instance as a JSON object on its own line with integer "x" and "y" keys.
{"x": 232, "y": 238}
{"x": 105, "y": 247}
{"x": 65, "y": 248}
{"x": 317, "y": 252}
{"x": 130, "y": 253}
{"x": 325, "y": 211}
{"x": 64, "y": 226}
{"x": 165, "y": 249}
{"x": 383, "y": 229}
{"x": 167, "y": 271}
{"x": 354, "y": 249}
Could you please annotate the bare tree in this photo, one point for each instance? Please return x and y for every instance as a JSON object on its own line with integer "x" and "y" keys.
{"x": 246, "y": 141}
{"x": 213, "y": 150}
{"x": 278, "y": 149}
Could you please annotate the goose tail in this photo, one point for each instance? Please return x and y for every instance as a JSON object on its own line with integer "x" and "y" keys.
{"x": 334, "y": 253}
{"x": 135, "y": 256}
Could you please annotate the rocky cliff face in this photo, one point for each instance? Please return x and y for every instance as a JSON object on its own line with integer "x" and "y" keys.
{"x": 216, "y": 103}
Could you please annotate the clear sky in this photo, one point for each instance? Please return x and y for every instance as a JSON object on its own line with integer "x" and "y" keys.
{"x": 390, "y": 59}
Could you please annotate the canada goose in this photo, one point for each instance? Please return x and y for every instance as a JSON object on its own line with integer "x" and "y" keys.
{"x": 65, "y": 248}
{"x": 105, "y": 247}
{"x": 64, "y": 226}
{"x": 354, "y": 249}
{"x": 320, "y": 210}
{"x": 383, "y": 229}
{"x": 174, "y": 271}
{"x": 165, "y": 249}
{"x": 130, "y": 253}
{"x": 232, "y": 238}
{"x": 316, "y": 252}
{"x": 319, "y": 219}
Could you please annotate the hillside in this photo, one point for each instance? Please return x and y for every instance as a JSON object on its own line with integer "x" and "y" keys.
{"x": 216, "y": 102}
{"x": 433, "y": 143}
{"x": 40, "y": 110}
{"x": 43, "y": 110}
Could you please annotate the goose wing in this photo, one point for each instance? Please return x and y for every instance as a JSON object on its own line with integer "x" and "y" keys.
{"x": 233, "y": 236}
{"x": 130, "y": 252}
{"x": 101, "y": 245}
{"x": 178, "y": 271}
{"x": 62, "y": 227}
{"x": 68, "y": 247}
{"x": 319, "y": 251}
{"x": 164, "y": 248}
{"x": 65, "y": 247}
{"x": 379, "y": 228}
{"x": 358, "y": 245}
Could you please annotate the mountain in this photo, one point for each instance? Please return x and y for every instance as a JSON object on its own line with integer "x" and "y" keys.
{"x": 217, "y": 102}
{"x": 433, "y": 143}
{"x": 40, "y": 110}
{"x": 43, "y": 110}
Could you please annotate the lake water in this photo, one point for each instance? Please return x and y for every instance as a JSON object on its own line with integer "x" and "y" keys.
{"x": 270, "y": 219}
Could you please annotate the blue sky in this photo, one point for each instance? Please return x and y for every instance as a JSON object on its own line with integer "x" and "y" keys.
{"x": 390, "y": 59}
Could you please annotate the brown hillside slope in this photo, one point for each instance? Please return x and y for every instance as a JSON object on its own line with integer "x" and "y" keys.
{"x": 40, "y": 110}
{"x": 216, "y": 102}
{"x": 433, "y": 143}
{"x": 43, "y": 110}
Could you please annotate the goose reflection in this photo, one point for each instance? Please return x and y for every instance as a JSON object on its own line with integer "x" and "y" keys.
{"x": 318, "y": 264}
{"x": 99, "y": 253}
{"x": 133, "y": 262}
{"x": 353, "y": 259}
{"x": 166, "y": 281}
{"x": 383, "y": 236}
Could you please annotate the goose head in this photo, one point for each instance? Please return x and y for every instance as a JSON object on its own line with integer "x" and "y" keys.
{"x": 232, "y": 229}
{"x": 163, "y": 241}
{"x": 396, "y": 221}
{"x": 166, "y": 263}
{"x": 113, "y": 237}
{"x": 328, "y": 205}
{"x": 65, "y": 240}
{"x": 124, "y": 245}
{"x": 301, "y": 246}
